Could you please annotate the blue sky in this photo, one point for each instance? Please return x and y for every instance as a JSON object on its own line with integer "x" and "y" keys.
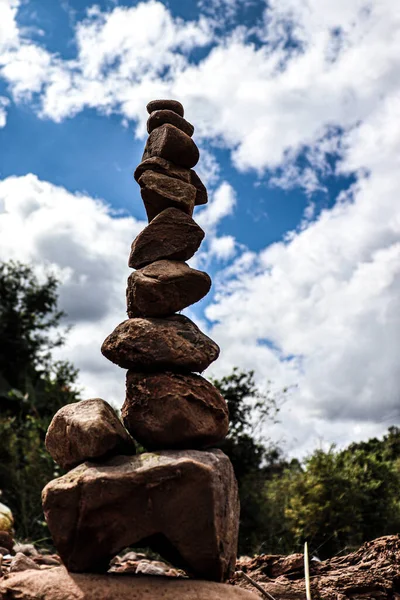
{"x": 295, "y": 111}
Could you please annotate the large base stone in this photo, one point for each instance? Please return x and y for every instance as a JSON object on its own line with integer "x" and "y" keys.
{"x": 172, "y": 410}
{"x": 182, "y": 504}
{"x": 58, "y": 584}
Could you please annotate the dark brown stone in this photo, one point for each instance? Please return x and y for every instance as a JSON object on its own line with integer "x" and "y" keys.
{"x": 182, "y": 504}
{"x": 172, "y": 234}
{"x": 165, "y": 287}
{"x": 172, "y": 410}
{"x": 165, "y": 167}
{"x": 201, "y": 190}
{"x": 58, "y": 584}
{"x": 86, "y": 430}
{"x": 167, "y": 105}
{"x": 160, "y": 117}
{"x": 6, "y": 541}
{"x": 173, "y": 343}
{"x": 171, "y": 143}
{"x": 160, "y": 192}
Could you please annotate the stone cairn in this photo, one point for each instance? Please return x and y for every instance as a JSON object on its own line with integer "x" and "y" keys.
{"x": 180, "y": 497}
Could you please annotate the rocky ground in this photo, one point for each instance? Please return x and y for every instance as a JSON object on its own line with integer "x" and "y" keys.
{"x": 370, "y": 573}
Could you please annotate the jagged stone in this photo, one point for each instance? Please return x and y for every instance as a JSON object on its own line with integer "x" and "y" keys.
{"x": 160, "y": 117}
{"x": 167, "y": 105}
{"x": 149, "y": 344}
{"x": 171, "y": 143}
{"x": 165, "y": 287}
{"x": 160, "y": 192}
{"x": 163, "y": 166}
{"x": 172, "y": 234}
{"x": 173, "y": 410}
{"x": 166, "y": 167}
{"x": 20, "y": 562}
{"x": 58, "y": 584}
{"x": 86, "y": 430}
{"x": 182, "y": 504}
{"x": 201, "y": 191}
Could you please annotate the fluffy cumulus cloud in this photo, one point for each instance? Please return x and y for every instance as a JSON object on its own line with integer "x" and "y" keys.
{"x": 86, "y": 246}
{"x": 310, "y": 82}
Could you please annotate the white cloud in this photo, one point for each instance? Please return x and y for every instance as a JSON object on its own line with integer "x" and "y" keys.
{"x": 88, "y": 247}
{"x": 8, "y": 26}
{"x": 318, "y": 309}
{"x": 4, "y": 102}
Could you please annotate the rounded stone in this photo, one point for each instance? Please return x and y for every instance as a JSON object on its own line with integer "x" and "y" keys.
{"x": 160, "y": 117}
{"x": 172, "y": 235}
{"x": 173, "y": 410}
{"x": 148, "y": 344}
{"x": 160, "y": 192}
{"x": 173, "y": 105}
{"x": 86, "y": 430}
{"x": 165, "y": 287}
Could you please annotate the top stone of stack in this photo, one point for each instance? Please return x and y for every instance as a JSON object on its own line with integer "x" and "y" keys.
{"x": 173, "y": 105}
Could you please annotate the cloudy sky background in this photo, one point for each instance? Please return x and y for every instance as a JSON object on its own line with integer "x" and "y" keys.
{"x": 296, "y": 107}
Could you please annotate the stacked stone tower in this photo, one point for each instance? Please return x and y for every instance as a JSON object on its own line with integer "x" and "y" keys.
{"x": 180, "y": 496}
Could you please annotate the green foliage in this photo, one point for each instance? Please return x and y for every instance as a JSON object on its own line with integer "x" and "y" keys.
{"x": 32, "y": 388}
{"x": 253, "y": 458}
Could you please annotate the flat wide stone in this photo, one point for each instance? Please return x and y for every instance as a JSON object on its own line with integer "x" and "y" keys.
{"x": 160, "y": 192}
{"x": 165, "y": 287}
{"x": 172, "y": 235}
{"x": 149, "y": 344}
{"x": 166, "y": 104}
{"x": 160, "y": 117}
{"x": 173, "y": 144}
{"x": 172, "y": 410}
{"x": 182, "y": 504}
{"x": 86, "y": 430}
{"x": 58, "y": 584}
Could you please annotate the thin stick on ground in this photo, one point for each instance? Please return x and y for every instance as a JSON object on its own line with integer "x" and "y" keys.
{"x": 307, "y": 572}
{"x": 256, "y": 585}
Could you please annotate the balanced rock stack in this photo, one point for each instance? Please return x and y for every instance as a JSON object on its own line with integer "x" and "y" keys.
{"x": 179, "y": 497}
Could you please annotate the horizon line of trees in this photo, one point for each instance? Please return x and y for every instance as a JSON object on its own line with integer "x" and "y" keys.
{"x": 334, "y": 499}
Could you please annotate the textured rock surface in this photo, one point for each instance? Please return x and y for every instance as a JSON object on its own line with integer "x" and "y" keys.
{"x": 160, "y": 192}
{"x": 165, "y": 287}
{"x": 201, "y": 191}
{"x": 159, "y": 117}
{"x": 172, "y": 410}
{"x": 172, "y": 234}
{"x": 167, "y": 105}
{"x": 173, "y": 343}
{"x": 20, "y": 562}
{"x": 182, "y": 504}
{"x": 86, "y": 430}
{"x": 163, "y": 166}
{"x": 58, "y": 584}
{"x": 171, "y": 143}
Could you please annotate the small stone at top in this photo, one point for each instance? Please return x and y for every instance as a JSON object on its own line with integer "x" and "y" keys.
{"x": 173, "y": 105}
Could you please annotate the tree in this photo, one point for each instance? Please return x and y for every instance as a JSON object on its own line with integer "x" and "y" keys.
{"x": 32, "y": 388}
{"x": 254, "y": 457}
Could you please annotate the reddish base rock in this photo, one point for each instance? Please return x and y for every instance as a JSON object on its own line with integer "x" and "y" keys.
{"x": 172, "y": 410}
{"x": 182, "y": 504}
{"x": 58, "y": 584}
